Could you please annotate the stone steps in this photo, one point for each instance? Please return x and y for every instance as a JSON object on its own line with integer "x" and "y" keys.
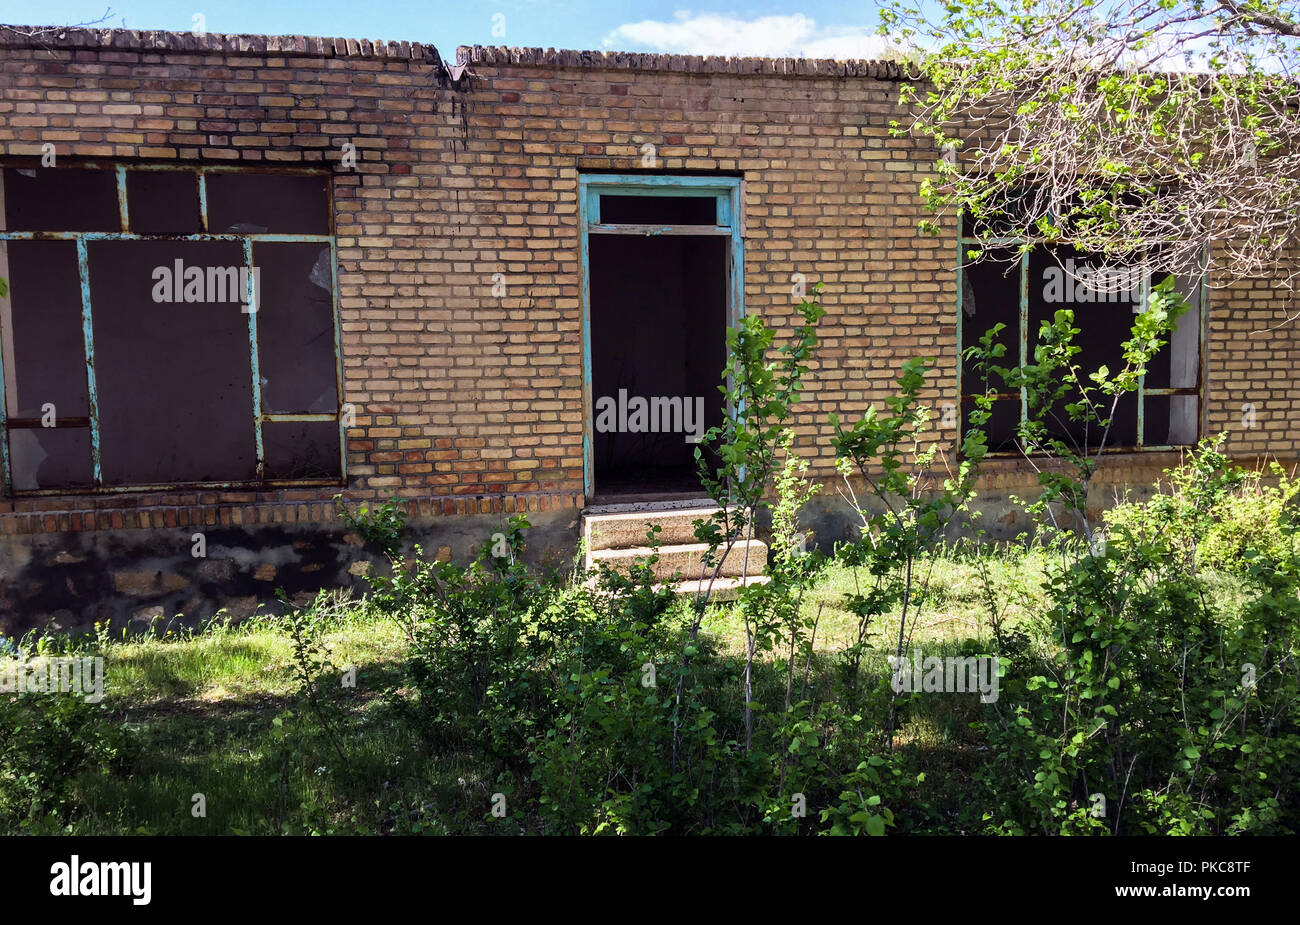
{"x": 724, "y": 589}
{"x": 687, "y": 560}
{"x": 617, "y": 538}
{"x": 615, "y": 528}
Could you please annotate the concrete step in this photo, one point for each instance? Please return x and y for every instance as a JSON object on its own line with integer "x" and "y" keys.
{"x": 685, "y": 561}
{"x": 724, "y": 589}
{"x": 622, "y": 529}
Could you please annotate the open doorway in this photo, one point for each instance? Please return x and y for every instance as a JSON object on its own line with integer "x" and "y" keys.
{"x": 658, "y": 300}
{"x": 658, "y": 345}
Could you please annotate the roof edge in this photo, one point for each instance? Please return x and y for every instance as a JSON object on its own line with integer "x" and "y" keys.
{"x": 157, "y": 40}
{"x": 496, "y": 55}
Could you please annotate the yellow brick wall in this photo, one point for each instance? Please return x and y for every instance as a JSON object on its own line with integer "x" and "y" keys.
{"x": 469, "y": 403}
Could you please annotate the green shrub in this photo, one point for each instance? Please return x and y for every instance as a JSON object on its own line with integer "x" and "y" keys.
{"x": 1162, "y": 710}
{"x": 49, "y": 742}
{"x": 569, "y": 690}
{"x": 383, "y": 526}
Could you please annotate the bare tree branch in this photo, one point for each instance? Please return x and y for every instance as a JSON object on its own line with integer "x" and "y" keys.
{"x": 1139, "y": 130}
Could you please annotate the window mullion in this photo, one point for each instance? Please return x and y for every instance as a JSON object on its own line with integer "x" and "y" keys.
{"x": 1024, "y": 332}
{"x": 122, "y": 211}
{"x": 203, "y": 201}
{"x": 1144, "y": 294}
{"x": 252, "y": 307}
{"x": 723, "y": 210}
{"x": 88, "y": 335}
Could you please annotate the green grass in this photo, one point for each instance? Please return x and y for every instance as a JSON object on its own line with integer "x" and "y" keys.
{"x": 216, "y": 713}
{"x": 204, "y": 708}
{"x": 954, "y": 607}
{"x": 229, "y": 752}
{"x": 937, "y": 729}
{"x": 226, "y": 663}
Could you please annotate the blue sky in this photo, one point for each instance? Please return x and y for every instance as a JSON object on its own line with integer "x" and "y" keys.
{"x": 834, "y": 28}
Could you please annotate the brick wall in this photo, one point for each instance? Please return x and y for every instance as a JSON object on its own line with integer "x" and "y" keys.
{"x": 257, "y": 101}
{"x": 471, "y": 404}
{"x": 468, "y": 402}
{"x": 1252, "y": 354}
{"x": 827, "y": 194}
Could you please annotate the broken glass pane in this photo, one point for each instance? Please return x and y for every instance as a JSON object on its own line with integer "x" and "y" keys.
{"x": 60, "y": 199}
{"x": 295, "y": 328}
{"x": 49, "y": 457}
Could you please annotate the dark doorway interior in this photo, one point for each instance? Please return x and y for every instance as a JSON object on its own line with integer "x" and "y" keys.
{"x": 658, "y": 331}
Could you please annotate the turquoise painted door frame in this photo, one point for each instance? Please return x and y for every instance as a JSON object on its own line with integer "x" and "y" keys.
{"x": 725, "y": 192}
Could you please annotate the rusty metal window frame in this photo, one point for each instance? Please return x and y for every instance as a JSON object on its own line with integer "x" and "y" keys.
{"x": 248, "y": 241}
{"x": 964, "y": 244}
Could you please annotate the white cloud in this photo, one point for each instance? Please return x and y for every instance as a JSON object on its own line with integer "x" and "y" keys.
{"x": 795, "y": 36}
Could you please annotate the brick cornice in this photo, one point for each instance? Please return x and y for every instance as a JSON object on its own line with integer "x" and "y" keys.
{"x": 77, "y": 39}
{"x": 498, "y": 56}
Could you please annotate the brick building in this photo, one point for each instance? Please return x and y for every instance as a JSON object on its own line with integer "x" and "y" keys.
{"x": 457, "y": 271}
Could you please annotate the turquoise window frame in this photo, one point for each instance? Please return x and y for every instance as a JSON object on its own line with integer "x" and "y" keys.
{"x": 726, "y": 193}
{"x": 248, "y": 241}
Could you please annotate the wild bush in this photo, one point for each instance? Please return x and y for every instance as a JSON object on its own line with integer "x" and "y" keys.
{"x": 1162, "y": 710}
{"x": 49, "y": 742}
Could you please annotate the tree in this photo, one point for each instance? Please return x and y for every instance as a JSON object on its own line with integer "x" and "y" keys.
{"x": 1131, "y": 129}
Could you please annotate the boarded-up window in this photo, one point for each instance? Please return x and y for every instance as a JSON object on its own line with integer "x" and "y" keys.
{"x": 183, "y": 363}
{"x": 49, "y": 362}
{"x": 242, "y": 203}
{"x": 46, "y": 403}
{"x": 163, "y": 202}
{"x": 129, "y": 356}
{"x": 301, "y": 449}
{"x": 295, "y": 328}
